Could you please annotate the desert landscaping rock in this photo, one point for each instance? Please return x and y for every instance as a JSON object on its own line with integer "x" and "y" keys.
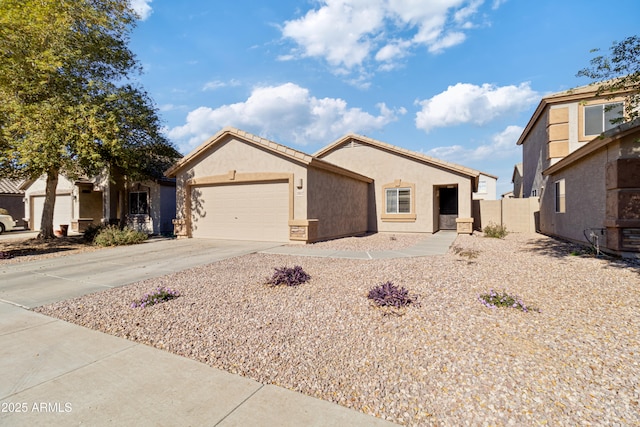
{"x": 449, "y": 360}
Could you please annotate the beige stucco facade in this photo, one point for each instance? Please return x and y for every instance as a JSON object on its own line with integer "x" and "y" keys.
{"x": 84, "y": 202}
{"x": 601, "y": 184}
{"x": 573, "y": 170}
{"x": 340, "y": 191}
{"x": 323, "y": 201}
{"x": 427, "y": 180}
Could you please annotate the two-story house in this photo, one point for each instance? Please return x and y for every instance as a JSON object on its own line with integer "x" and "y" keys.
{"x": 584, "y": 169}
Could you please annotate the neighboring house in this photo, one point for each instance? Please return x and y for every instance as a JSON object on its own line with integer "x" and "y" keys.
{"x": 516, "y": 180}
{"x": 486, "y": 187}
{"x": 12, "y": 199}
{"x": 83, "y": 202}
{"x": 584, "y": 169}
{"x": 239, "y": 186}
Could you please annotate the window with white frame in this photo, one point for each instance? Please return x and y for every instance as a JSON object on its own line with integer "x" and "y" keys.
{"x": 398, "y": 200}
{"x": 560, "y": 196}
{"x": 138, "y": 204}
{"x": 598, "y": 118}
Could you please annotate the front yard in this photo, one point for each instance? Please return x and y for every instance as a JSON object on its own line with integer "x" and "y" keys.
{"x": 448, "y": 359}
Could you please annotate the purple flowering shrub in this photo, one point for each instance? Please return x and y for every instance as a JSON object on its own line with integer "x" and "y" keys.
{"x": 494, "y": 299}
{"x": 288, "y": 276}
{"x": 5, "y": 255}
{"x": 161, "y": 294}
{"x": 389, "y": 295}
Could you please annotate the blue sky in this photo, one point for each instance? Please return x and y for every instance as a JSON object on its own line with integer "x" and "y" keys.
{"x": 454, "y": 79}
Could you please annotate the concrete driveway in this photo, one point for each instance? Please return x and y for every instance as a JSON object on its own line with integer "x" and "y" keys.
{"x": 74, "y": 275}
{"x": 56, "y": 373}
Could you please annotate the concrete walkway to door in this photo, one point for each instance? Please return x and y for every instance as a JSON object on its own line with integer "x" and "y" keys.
{"x": 56, "y": 373}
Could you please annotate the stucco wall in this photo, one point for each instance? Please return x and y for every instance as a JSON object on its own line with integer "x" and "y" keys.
{"x": 338, "y": 202}
{"x": 535, "y": 157}
{"x": 517, "y": 215}
{"x": 386, "y": 167}
{"x": 233, "y": 154}
{"x": 491, "y": 189}
{"x": 585, "y": 198}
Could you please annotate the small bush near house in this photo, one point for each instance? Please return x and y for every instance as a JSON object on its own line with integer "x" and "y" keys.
{"x": 390, "y": 295}
{"x": 494, "y": 300}
{"x": 288, "y": 276}
{"x": 467, "y": 253}
{"x": 159, "y": 295}
{"x": 494, "y": 230}
{"x": 114, "y": 236}
{"x": 91, "y": 232}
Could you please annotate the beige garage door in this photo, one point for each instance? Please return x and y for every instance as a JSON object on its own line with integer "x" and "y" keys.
{"x": 61, "y": 211}
{"x": 241, "y": 212}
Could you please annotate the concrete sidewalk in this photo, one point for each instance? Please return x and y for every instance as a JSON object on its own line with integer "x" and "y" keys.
{"x": 57, "y": 373}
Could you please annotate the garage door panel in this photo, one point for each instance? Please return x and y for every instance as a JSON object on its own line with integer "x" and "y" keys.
{"x": 61, "y": 211}
{"x": 242, "y": 211}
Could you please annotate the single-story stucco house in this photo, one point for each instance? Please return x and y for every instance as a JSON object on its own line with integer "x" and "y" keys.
{"x": 83, "y": 202}
{"x": 240, "y": 186}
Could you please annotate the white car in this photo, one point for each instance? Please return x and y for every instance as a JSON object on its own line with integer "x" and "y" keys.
{"x": 6, "y": 223}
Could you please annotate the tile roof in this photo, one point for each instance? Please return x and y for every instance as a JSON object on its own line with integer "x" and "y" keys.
{"x": 10, "y": 186}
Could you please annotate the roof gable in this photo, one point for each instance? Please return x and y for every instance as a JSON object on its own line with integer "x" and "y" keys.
{"x": 262, "y": 143}
{"x": 247, "y": 137}
{"x": 399, "y": 151}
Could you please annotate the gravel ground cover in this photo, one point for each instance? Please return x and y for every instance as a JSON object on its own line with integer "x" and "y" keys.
{"x": 372, "y": 242}
{"x": 447, "y": 361}
{"x": 16, "y": 250}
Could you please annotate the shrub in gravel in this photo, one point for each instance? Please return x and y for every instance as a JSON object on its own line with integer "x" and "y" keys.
{"x": 288, "y": 276}
{"x": 161, "y": 294}
{"x": 114, "y": 236}
{"x": 390, "y": 295}
{"x": 91, "y": 232}
{"x": 494, "y": 299}
{"x": 5, "y": 255}
{"x": 467, "y": 253}
{"x": 494, "y": 230}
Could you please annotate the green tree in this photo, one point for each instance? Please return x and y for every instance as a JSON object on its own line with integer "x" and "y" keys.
{"x": 619, "y": 72}
{"x": 65, "y": 105}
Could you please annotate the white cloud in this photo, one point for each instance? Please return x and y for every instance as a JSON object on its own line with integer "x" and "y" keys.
{"x": 502, "y": 146}
{"x": 217, "y": 84}
{"x": 287, "y": 113}
{"x": 467, "y": 103}
{"x": 447, "y": 41}
{"x": 340, "y": 31}
{"x": 142, "y": 8}
{"x": 497, "y": 3}
{"x": 349, "y": 33}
